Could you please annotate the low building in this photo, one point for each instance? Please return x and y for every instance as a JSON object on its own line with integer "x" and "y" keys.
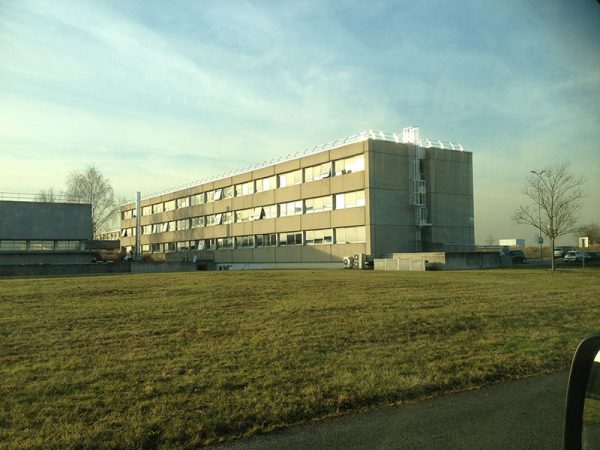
{"x": 44, "y": 233}
{"x": 372, "y": 193}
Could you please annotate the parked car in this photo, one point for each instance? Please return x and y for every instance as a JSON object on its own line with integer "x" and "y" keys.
{"x": 517, "y": 256}
{"x": 594, "y": 256}
{"x": 560, "y": 252}
{"x": 574, "y": 256}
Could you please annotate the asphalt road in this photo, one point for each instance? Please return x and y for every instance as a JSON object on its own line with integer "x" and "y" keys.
{"x": 526, "y": 414}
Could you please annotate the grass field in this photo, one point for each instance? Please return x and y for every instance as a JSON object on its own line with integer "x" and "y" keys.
{"x": 179, "y": 360}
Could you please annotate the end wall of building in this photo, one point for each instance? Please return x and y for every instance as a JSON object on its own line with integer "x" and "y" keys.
{"x": 45, "y": 221}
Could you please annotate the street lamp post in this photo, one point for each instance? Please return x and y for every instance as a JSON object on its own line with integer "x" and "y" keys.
{"x": 540, "y": 239}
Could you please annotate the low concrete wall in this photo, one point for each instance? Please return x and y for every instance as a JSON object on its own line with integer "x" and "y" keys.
{"x": 42, "y": 270}
{"x": 472, "y": 260}
{"x": 400, "y": 264}
{"x": 439, "y": 261}
{"x": 275, "y": 266}
{"x": 162, "y": 267}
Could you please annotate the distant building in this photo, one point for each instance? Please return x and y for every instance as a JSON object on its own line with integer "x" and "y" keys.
{"x": 372, "y": 193}
{"x": 107, "y": 235}
{"x": 44, "y": 233}
{"x": 512, "y": 242}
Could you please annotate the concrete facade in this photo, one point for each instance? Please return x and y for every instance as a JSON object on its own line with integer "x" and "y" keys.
{"x": 374, "y": 196}
{"x": 44, "y": 233}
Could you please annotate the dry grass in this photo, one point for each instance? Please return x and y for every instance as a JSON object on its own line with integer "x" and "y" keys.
{"x": 179, "y": 360}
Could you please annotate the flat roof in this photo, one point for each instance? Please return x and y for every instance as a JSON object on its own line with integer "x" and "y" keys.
{"x": 359, "y": 137}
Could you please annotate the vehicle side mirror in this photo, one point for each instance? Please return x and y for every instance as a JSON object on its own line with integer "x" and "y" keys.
{"x": 582, "y": 408}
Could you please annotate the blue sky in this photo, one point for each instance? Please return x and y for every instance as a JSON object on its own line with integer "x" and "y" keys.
{"x": 158, "y": 94}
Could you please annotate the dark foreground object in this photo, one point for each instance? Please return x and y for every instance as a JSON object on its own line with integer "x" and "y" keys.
{"x": 526, "y": 414}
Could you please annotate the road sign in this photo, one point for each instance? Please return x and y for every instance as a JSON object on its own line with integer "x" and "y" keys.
{"x": 583, "y": 242}
{"x": 540, "y": 240}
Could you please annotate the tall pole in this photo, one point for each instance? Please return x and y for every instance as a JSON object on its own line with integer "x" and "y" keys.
{"x": 540, "y": 240}
{"x": 138, "y": 226}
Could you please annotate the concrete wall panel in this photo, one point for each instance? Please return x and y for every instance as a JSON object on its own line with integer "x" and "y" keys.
{"x": 49, "y": 221}
{"x": 350, "y": 182}
{"x": 316, "y": 253}
{"x": 348, "y": 217}
{"x": 289, "y": 254}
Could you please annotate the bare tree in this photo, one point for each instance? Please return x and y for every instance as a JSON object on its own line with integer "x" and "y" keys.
{"x": 591, "y": 230}
{"x": 90, "y": 186}
{"x": 47, "y": 195}
{"x": 558, "y": 196}
{"x": 490, "y": 239}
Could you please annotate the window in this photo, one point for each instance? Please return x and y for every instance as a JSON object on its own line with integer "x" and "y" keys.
{"x": 350, "y": 199}
{"x": 127, "y": 214}
{"x": 209, "y": 244}
{"x": 157, "y": 208}
{"x": 265, "y": 212}
{"x": 67, "y": 246}
{"x": 290, "y": 178}
{"x": 13, "y": 246}
{"x": 244, "y": 215}
{"x": 156, "y": 227}
{"x": 183, "y": 224}
{"x": 315, "y": 237}
{"x": 270, "y": 211}
{"x": 41, "y": 246}
{"x": 349, "y": 165}
{"x": 210, "y": 196}
{"x": 290, "y": 208}
{"x": 169, "y": 247}
{"x": 127, "y": 232}
{"x": 156, "y": 248}
{"x": 266, "y": 240}
{"x": 168, "y": 226}
{"x": 146, "y": 210}
{"x": 294, "y": 238}
{"x": 319, "y": 204}
{"x": 146, "y": 248}
{"x": 315, "y": 173}
{"x": 265, "y": 184}
{"x": 244, "y": 188}
{"x": 197, "y": 199}
{"x": 210, "y": 220}
{"x": 224, "y": 243}
{"x": 350, "y": 235}
{"x": 183, "y": 246}
{"x": 227, "y": 218}
{"x": 170, "y": 205}
{"x": 147, "y": 229}
{"x": 228, "y": 192}
{"x": 197, "y": 222}
{"x": 218, "y": 194}
{"x": 183, "y": 202}
{"x": 218, "y": 218}
{"x": 244, "y": 242}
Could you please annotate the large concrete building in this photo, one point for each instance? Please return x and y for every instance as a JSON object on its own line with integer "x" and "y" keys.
{"x": 44, "y": 233}
{"x": 372, "y": 193}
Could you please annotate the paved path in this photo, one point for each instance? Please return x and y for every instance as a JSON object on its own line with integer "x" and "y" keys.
{"x": 526, "y": 414}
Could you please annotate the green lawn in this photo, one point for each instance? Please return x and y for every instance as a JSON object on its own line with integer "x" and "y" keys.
{"x": 178, "y": 360}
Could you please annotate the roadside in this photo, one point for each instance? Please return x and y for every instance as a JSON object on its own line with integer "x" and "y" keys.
{"x": 524, "y": 414}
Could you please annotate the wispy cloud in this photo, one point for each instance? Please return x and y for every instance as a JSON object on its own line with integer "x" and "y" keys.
{"x": 160, "y": 94}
